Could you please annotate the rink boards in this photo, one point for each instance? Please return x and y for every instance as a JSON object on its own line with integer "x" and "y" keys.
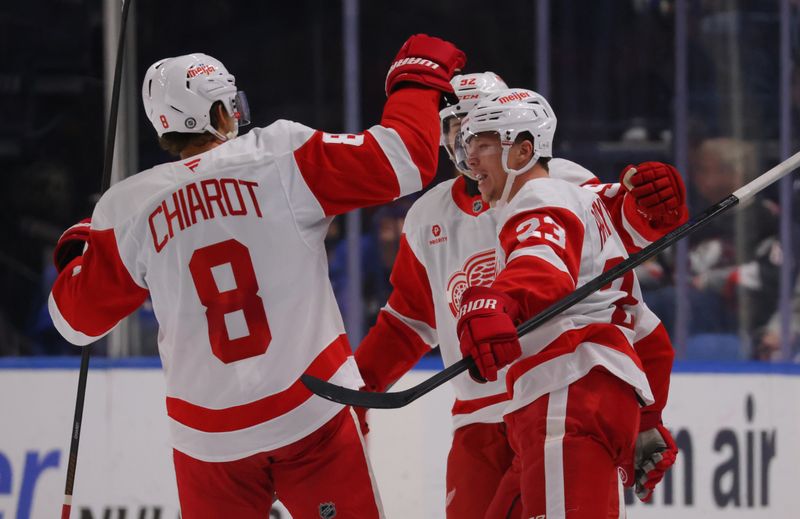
{"x": 737, "y": 425}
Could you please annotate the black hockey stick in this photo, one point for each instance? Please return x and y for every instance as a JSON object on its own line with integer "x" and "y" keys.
{"x": 397, "y": 399}
{"x": 111, "y": 133}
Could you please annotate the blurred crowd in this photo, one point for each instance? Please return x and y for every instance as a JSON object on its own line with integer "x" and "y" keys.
{"x": 734, "y": 261}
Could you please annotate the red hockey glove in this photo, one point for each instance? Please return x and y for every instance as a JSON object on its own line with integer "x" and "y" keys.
{"x": 654, "y": 454}
{"x": 486, "y": 331}
{"x": 425, "y": 60}
{"x": 658, "y": 190}
{"x": 71, "y": 244}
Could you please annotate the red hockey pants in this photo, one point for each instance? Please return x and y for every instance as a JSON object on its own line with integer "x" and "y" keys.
{"x": 326, "y": 474}
{"x": 568, "y": 445}
{"x": 479, "y": 458}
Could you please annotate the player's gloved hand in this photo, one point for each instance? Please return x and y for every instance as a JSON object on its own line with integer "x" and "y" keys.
{"x": 654, "y": 454}
{"x": 425, "y": 60}
{"x": 71, "y": 244}
{"x": 486, "y": 331}
{"x": 658, "y": 191}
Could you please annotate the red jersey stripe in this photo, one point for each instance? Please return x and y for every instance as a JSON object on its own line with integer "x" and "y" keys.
{"x": 470, "y": 406}
{"x": 265, "y": 409}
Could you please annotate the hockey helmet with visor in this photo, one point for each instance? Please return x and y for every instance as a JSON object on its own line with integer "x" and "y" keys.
{"x": 509, "y": 114}
{"x": 470, "y": 89}
{"x": 178, "y": 94}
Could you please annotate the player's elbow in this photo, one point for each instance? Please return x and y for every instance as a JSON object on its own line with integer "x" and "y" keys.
{"x": 69, "y": 329}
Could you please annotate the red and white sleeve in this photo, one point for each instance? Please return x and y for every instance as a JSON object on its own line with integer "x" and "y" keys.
{"x": 636, "y": 231}
{"x": 94, "y": 292}
{"x": 406, "y": 326}
{"x": 656, "y": 353}
{"x": 543, "y": 254}
{"x": 385, "y": 162}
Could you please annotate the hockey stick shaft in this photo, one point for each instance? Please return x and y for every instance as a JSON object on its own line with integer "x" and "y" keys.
{"x": 108, "y": 159}
{"x": 402, "y": 398}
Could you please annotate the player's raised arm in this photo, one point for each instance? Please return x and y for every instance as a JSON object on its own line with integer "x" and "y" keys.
{"x": 398, "y": 156}
{"x": 648, "y": 202}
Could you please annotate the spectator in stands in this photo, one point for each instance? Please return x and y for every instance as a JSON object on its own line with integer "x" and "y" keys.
{"x": 378, "y": 251}
{"x": 768, "y": 344}
{"x": 734, "y": 261}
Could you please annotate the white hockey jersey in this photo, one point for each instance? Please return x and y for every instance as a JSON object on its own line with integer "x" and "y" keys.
{"x": 229, "y": 246}
{"x": 448, "y": 244}
{"x": 553, "y": 238}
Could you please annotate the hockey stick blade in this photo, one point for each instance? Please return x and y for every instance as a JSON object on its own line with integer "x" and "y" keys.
{"x": 401, "y": 398}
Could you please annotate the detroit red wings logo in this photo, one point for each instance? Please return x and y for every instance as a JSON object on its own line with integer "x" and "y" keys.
{"x": 478, "y": 270}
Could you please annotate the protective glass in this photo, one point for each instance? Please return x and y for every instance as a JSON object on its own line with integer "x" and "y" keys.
{"x": 450, "y": 129}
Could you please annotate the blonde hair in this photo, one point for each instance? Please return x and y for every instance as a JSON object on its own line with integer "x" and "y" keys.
{"x": 735, "y": 155}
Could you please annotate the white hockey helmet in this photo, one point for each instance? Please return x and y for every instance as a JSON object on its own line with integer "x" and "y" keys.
{"x": 509, "y": 113}
{"x": 469, "y": 88}
{"x": 178, "y": 93}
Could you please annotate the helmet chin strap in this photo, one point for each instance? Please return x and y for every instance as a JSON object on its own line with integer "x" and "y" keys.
{"x": 511, "y": 175}
{"x": 223, "y": 137}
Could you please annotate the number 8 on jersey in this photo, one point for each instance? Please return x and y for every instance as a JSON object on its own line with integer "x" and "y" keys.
{"x": 224, "y": 304}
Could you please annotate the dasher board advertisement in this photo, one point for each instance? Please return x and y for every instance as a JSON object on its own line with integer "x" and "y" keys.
{"x": 736, "y": 425}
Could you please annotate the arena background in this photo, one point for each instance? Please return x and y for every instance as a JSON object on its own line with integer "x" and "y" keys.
{"x": 711, "y": 86}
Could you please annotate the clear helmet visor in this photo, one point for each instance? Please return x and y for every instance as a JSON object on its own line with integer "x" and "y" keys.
{"x": 471, "y": 147}
{"x": 451, "y": 127}
{"x": 241, "y": 109}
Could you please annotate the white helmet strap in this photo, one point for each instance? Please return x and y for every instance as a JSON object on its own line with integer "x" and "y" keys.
{"x": 216, "y": 133}
{"x": 512, "y": 173}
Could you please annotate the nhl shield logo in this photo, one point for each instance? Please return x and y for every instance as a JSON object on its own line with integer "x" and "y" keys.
{"x": 327, "y": 510}
{"x": 477, "y": 206}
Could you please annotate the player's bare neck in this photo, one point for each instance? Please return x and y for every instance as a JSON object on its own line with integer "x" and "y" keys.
{"x": 537, "y": 171}
{"x": 191, "y": 151}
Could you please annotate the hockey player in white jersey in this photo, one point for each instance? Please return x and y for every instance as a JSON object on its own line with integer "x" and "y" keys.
{"x": 448, "y": 246}
{"x": 576, "y": 382}
{"x": 228, "y": 243}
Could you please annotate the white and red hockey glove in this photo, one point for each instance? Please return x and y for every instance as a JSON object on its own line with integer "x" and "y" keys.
{"x": 659, "y": 192}
{"x": 654, "y": 454}
{"x": 486, "y": 331}
{"x": 425, "y": 60}
{"x": 71, "y": 244}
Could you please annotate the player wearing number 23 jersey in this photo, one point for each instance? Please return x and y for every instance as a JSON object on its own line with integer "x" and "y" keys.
{"x": 228, "y": 243}
{"x": 576, "y": 382}
{"x": 447, "y": 246}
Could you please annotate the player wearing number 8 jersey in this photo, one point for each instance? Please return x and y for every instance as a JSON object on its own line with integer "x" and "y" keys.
{"x": 228, "y": 243}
